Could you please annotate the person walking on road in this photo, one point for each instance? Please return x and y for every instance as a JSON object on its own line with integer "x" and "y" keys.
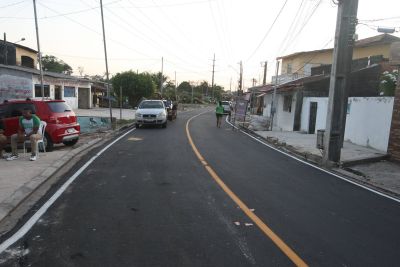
{"x": 29, "y": 125}
{"x": 219, "y": 111}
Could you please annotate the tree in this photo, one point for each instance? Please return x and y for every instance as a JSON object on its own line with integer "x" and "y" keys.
{"x": 134, "y": 86}
{"x": 387, "y": 85}
{"x": 51, "y": 63}
{"x": 157, "y": 77}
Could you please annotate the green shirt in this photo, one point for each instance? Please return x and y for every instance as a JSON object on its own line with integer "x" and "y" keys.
{"x": 219, "y": 109}
{"x": 28, "y": 125}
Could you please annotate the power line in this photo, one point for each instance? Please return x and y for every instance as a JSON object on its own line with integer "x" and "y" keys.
{"x": 291, "y": 28}
{"x": 303, "y": 25}
{"x": 92, "y": 30}
{"x": 13, "y": 4}
{"x": 269, "y": 30}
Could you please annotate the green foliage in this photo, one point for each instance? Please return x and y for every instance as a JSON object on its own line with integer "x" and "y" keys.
{"x": 51, "y": 63}
{"x": 156, "y": 77}
{"x": 387, "y": 85}
{"x": 134, "y": 86}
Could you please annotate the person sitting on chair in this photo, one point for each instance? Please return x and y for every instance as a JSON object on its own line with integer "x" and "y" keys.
{"x": 3, "y": 138}
{"x": 28, "y": 129}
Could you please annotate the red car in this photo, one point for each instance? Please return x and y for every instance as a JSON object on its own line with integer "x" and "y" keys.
{"x": 62, "y": 125}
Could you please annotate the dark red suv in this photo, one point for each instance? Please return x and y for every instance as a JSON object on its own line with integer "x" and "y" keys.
{"x": 62, "y": 125}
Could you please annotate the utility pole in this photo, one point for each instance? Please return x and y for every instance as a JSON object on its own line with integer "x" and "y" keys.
{"x": 230, "y": 86}
{"x": 176, "y": 96}
{"x": 254, "y": 81}
{"x": 39, "y": 53}
{"x": 192, "y": 92}
{"x": 240, "y": 89}
{"x": 161, "y": 77}
{"x": 106, "y": 60}
{"x": 265, "y": 73}
{"x": 212, "y": 79}
{"x": 273, "y": 105}
{"x": 120, "y": 102}
{"x": 5, "y": 50}
{"x": 339, "y": 81}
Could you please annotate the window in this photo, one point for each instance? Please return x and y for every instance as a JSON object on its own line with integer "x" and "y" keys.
{"x": 59, "y": 107}
{"x": 289, "y": 68}
{"x": 27, "y": 62}
{"x": 38, "y": 90}
{"x": 151, "y": 104}
{"x": 69, "y": 91}
{"x": 17, "y": 108}
{"x": 287, "y": 103}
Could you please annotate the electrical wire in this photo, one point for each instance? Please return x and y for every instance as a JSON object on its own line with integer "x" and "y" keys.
{"x": 291, "y": 28}
{"x": 13, "y": 4}
{"x": 290, "y": 43}
{"x": 269, "y": 30}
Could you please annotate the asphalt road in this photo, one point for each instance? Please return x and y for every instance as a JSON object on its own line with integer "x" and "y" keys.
{"x": 149, "y": 201}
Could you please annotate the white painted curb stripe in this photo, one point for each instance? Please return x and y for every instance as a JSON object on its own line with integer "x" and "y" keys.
{"x": 316, "y": 167}
{"x": 31, "y": 222}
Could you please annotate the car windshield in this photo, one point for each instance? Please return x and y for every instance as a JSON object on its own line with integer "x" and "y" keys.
{"x": 59, "y": 107}
{"x": 151, "y": 104}
{"x": 225, "y": 103}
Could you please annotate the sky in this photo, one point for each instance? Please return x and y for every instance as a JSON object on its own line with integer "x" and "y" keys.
{"x": 185, "y": 33}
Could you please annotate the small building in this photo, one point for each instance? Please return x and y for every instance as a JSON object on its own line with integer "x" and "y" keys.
{"x": 299, "y": 64}
{"x": 18, "y": 55}
{"x": 21, "y": 82}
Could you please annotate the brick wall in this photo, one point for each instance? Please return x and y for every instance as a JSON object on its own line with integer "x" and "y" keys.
{"x": 394, "y": 139}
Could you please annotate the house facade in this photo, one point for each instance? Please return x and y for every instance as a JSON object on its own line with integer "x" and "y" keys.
{"x": 18, "y": 55}
{"x": 19, "y": 82}
{"x": 299, "y": 65}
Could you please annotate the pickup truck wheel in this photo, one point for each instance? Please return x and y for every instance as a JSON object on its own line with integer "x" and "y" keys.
{"x": 71, "y": 142}
{"x": 48, "y": 143}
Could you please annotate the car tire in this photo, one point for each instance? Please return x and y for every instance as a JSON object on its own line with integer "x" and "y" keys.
{"x": 48, "y": 143}
{"x": 164, "y": 125}
{"x": 71, "y": 142}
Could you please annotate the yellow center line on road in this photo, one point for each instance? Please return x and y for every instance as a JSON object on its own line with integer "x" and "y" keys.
{"x": 263, "y": 227}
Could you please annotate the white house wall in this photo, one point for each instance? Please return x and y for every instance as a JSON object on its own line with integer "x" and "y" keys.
{"x": 368, "y": 120}
{"x": 267, "y": 105}
{"x": 72, "y": 101}
{"x": 322, "y": 108}
{"x": 284, "y": 120}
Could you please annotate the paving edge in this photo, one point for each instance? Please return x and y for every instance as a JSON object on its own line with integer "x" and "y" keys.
{"x": 317, "y": 160}
{"x": 27, "y": 189}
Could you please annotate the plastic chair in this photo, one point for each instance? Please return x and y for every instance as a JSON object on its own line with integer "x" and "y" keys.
{"x": 42, "y": 130}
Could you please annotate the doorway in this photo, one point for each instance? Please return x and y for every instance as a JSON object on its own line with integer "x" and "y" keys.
{"x": 83, "y": 98}
{"x": 313, "y": 117}
{"x": 58, "y": 92}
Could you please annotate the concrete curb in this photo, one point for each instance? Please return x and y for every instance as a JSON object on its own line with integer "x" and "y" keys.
{"x": 27, "y": 189}
{"x": 317, "y": 160}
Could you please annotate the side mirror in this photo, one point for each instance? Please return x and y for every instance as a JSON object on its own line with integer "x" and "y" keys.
{"x": 135, "y": 108}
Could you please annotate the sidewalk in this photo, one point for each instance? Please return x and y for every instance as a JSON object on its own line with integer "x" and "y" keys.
{"x": 127, "y": 114}
{"x": 305, "y": 145}
{"x": 21, "y": 177}
{"x": 365, "y": 165}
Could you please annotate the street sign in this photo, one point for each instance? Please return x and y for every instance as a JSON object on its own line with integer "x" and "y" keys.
{"x": 241, "y": 109}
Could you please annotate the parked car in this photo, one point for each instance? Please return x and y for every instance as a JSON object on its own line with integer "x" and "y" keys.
{"x": 62, "y": 125}
{"x": 151, "y": 112}
{"x": 227, "y": 107}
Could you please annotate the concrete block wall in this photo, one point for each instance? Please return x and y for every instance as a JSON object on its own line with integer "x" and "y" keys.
{"x": 394, "y": 139}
